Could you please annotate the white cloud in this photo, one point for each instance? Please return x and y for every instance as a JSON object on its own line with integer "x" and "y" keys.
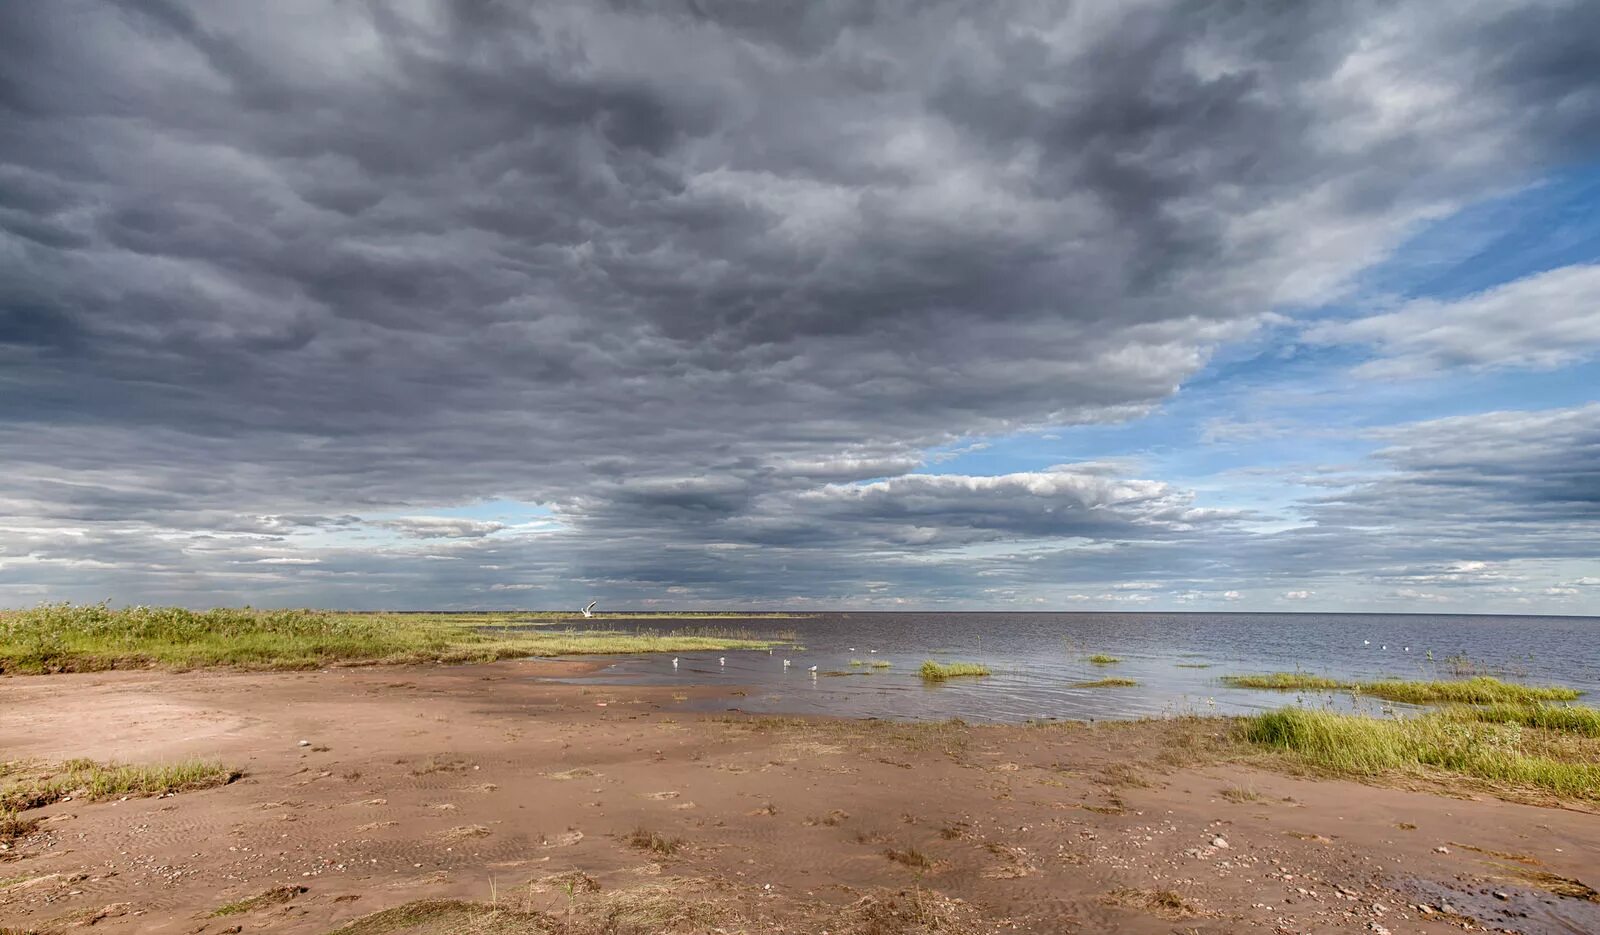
{"x": 1544, "y": 320}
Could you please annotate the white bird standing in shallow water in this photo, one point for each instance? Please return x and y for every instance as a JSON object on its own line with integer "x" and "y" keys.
{"x": 722, "y": 660}
{"x": 674, "y": 662}
{"x": 786, "y": 663}
{"x": 812, "y": 669}
{"x": 1366, "y": 642}
{"x": 872, "y": 650}
{"x": 589, "y": 611}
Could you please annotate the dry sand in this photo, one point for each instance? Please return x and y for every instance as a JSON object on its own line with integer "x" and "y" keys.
{"x": 484, "y": 784}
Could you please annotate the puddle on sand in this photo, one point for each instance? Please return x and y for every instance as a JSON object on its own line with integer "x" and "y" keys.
{"x": 1514, "y": 909}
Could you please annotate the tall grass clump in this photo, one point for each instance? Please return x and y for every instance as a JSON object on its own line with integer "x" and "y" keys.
{"x": 1362, "y": 746}
{"x": 1480, "y": 690}
{"x": 1572, "y": 719}
{"x": 88, "y": 779}
{"x": 86, "y": 637}
{"x": 939, "y": 671}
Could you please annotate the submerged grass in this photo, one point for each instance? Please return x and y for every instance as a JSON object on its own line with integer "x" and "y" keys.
{"x": 1480, "y": 690}
{"x": 90, "y": 637}
{"x": 1110, "y": 682}
{"x": 939, "y": 671}
{"x": 1506, "y": 754}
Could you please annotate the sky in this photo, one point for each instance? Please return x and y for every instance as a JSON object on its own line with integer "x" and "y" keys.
{"x": 943, "y": 304}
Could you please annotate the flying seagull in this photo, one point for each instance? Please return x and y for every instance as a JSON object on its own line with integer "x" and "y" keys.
{"x": 589, "y": 611}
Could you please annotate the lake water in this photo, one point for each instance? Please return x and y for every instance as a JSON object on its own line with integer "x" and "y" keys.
{"x": 1036, "y": 659}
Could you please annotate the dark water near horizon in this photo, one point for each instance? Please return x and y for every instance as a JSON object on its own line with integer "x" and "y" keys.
{"x": 1036, "y": 659}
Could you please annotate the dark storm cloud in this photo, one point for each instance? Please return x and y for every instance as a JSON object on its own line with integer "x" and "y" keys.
{"x": 675, "y": 270}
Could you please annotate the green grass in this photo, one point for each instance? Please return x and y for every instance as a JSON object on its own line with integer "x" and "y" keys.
{"x": 939, "y": 671}
{"x": 1480, "y": 690}
{"x": 880, "y": 664}
{"x": 1101, "y": 659}
{"x": 1112, "y": 682}
{"x": 272, "y": 897}
{"x": 1503, "y": 754}
{"x": 91, "y": 637}
{"x": 1575, "y": 719}
{"x": 39, "y": 787}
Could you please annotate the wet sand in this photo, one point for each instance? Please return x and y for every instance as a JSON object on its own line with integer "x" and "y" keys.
{"x": 479, "y": 782}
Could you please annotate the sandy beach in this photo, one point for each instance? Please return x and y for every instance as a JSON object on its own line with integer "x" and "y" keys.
{"x": 368, "y": 789}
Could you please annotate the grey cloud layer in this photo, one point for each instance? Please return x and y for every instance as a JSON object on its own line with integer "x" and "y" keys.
{"x": 680, "y": 273}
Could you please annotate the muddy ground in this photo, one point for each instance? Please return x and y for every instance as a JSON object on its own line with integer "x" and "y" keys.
{"x": 366, "y": 789}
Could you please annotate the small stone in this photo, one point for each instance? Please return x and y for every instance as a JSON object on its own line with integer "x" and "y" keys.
{"x": 1219, "y": 842}
{"x": 1442, "y": 849}
{"x": 305, "y": 743}
{"x": 1501, "y": 895}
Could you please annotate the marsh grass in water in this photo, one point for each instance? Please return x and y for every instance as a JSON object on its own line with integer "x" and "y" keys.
{"x": 1480, "y": 690}
{"x": 1102, "y": 659}
{"x": 1109, "y": 682}
{"x": 90, "y": 637}
{"x": 1554, "y": 762}
{"x": 932, "y": 671}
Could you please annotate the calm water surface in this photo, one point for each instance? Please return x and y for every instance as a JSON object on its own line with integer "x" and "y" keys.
{"x": 1036, "y": 659}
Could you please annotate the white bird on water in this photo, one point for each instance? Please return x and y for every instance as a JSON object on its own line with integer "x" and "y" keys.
{"x": 786, "y": 663}
{"x": 872, "y": 650}
{"x": 674, "y": 662}
{"x": 812, "y": 670}
{"x": 722, "y": 660}
{"x": 1366, "y": 642}
{"x": 589, "y": 611}
{"x": 852, "y": 649}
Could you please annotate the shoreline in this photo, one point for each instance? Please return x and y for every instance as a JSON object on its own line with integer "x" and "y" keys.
{"x": 472, "y": 782}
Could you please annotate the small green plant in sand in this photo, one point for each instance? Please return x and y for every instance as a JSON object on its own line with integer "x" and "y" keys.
{"x": 1480, "y": 690}
{"x": 1102, "y": 659}
{"x": 1507, "y": 755}
{"x": 38, "y": 787}
{"x": 655, "y": 842}
{"x": 89, "y": 637}
{"x": 1109, "y": 682}
{"x": 272, "y": 897}
{"x": 932, "y": 671}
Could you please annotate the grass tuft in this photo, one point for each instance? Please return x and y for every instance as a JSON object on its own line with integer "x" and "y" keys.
{"x": 939, "y": 671}
{"x": 1109, "y": 682}
{"x": 655, "y": 842}
{"x": 1353, "y": 745}
{"x": 881, "y": 664}
{"x": 272, "y": 897}
{"x": 1101, "y": 659}
{"x": 1574, "y": 719}
{"x": 1482, "y": 689}
{"x": 87, "y": 779}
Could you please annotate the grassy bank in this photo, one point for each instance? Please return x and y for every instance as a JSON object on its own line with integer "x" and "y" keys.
{"x": 939, "y": 671}
{"x": 78, "y": 638}
{"x": 1480, "y": 690}
{"x": 1540, "y": 759}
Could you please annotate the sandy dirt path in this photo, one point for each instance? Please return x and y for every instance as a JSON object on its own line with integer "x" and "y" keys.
{"x": 479, "y": 782}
